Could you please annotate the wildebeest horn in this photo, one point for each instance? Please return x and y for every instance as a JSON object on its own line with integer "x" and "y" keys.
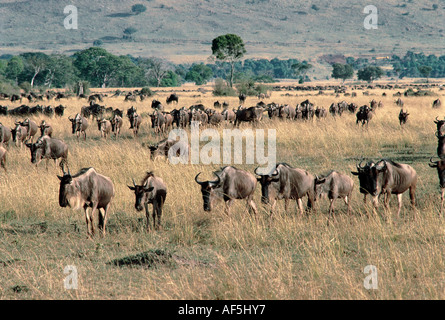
{"x": 437, "y": 120}
{"x": 197, "y": 181}
{"x": 359, "y": 165}
{"x": 219, "y": 179}
{"x": 255, "y": 171}
{"x": 134, "y": 183}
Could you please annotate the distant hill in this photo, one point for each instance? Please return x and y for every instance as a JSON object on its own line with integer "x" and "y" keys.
{"x": 182, "y": 30}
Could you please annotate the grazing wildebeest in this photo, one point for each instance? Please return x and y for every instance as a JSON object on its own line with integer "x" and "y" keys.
{"x": 3, "y": 158}
{"x": 94, "y": 97}
{"x": 231, "y": 184}
{"x": 32, "y": 128}
{"x": 286, "y": 182}
{"x": 403, "y": 116}
{"x": 116, "y": 125}
{"x": 104, "y": 126}
{"x": 45, "y": 129}
{"x": 5, "y": 134}
{"x": 151, "y": 190}
{"x": 387, "y": 177}
{"x": 87, "y": 189}
{"x": 59, "y": 110}
{"x": 172, "y": 98}
{"x": 335, "y": 185}
{"x": 181, "y": 149}
{"x": 440, "y": 166}
{"x": 79, "y": 125}
{"x": 49, "y": 148}
{"x": 437, "y": 103}
{"x": 242, "y": 98}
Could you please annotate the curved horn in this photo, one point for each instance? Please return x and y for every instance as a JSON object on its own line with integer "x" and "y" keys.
{"x": 219, "y": 179}
{"x": 359, "y": 165}
{"x": 255, "y": 171}
{"x": 134, "y": 183}
{"x": 437, "y": 120}
{"x": 197, "y": 181}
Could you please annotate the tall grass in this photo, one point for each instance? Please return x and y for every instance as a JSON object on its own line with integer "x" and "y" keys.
{"x": 220, "y": 256}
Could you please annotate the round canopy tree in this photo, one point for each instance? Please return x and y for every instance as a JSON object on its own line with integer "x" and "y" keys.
{"x": 228, "y": 48}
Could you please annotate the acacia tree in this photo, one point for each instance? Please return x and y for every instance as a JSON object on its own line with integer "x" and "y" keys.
{"x": 228, "y": 48}
{"x": 36, "y": 63}
{"x": 342, "y": 71}
{"x": 370, "y": 73}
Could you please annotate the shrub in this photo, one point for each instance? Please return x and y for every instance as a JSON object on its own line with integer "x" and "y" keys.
{"x": 220, "y": 88}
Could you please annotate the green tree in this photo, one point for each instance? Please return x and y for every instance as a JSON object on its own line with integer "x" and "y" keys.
{"x": 370, "y": 73}
{"x": 301, "y": 69}
{"x": 35, "y": 63}
{"x": 128, "y": 33}
{"x": 342, "y": 71}
{"x": 228, "y": 48}
{"x": 60, "y": 71}
{"x": 199, "y": 74}
{"x": 425, "y": 71}
{"x": 14, "y": 67}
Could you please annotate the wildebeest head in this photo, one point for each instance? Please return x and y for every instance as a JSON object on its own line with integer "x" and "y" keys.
{"x": 141, "y": 192}
{"x": 440, "y": 131}
{"x": 266, "y": 180}
{"x": 369, "y": 176}
{"x": 36, "y": 151}
{"x": 67, "y": 190}
{"x": 207, "y": 188}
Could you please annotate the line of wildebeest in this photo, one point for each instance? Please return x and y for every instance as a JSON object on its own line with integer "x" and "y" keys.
{"x": 89, "y": 189}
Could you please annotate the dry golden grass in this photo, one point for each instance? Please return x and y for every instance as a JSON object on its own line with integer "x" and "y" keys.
{"x": 219, "y": 256}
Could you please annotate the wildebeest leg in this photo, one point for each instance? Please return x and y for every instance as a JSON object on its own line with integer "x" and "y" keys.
{"x": 93, "y": 211}
{"x": 286, "y": 204}
{"x": 442, "y": 195}
{"x": 331, "y": 208}
{"x": 252, "y": 205}
{"x": 300, "y": 205}
{"x": 228, "y": 203}
{"x": 348, "y": 203}
{"x": 147, "y": 214}
{"x": 87, "y": 220}
{"x": 399, "y": 201}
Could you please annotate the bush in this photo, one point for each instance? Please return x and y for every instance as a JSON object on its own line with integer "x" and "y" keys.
{"x": 220, "y": 88}
{"x": 146, "y": 92}
{"x": 26, "y": 86}
{"x": 8, "y": 88}
{"x": 84, "y": 84}
{"x": 138, "y": 8}
{"x": 249, "y": 88}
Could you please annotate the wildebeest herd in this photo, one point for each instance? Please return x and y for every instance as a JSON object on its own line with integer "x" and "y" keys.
{"x": 88, "y": 189}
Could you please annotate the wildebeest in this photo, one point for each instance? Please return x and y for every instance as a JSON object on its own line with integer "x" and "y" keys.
{"x": 286, "y": 182}
{"x": 87, "y": 189}
{"x": 95, "y": 110}
{"x": 440, "y": 166}
{"x": 162, "y": 148}
{"x": 130, "y": 113}
{"x": 79, "y": 125}
{"x": 19, "y": 134}
{"x": 104, "y": 127}
{"x": 3, "y": 158}
{"x": 48, "y": 111}
{"x": 3, "y": 110}
{"x": 184, "y": 117}
{"x": 151, "y": 190}
{"x": 387, "y": 177}
{"x": 5, "y": 134}
{"x": 399, "y": 102}
{"x": 335, "y": 185}
{"x": 116, "y": 125}
{"x": 230, "y": 184}
{"x": 320, "y": 113}
{"x": 94, "y": 97}
{"x": 158, "y": 122}
{"x": 135, "y": 123}
{"x": 403, "y": 116}
{"x": 228, "y": 115}
{"x": 59, "y": 110}
{"x": 49, "y": 148}
{"x": 45, "y": 129}
{"x": 437, "y": 104}
{"x": 251, "y": 114}
{"x": 242, "y": 98}
{"x": 364, "y": 115}
{"x": 172, "y": 98}
{"x": 286, "y": 112}
{"x": 32, "y": 128}
{"x": 216, "y": 118}
{"x": 157, "y": 105}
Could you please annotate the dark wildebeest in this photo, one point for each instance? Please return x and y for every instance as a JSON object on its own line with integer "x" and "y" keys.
{"x": 231, "y": 184}
{"x": 320, "y": 113}
{"x": 335, "y": 185}
{"x": 59, "y": 110}
{"x": 184, "y": 117}
{"x": 151, "y": 190}
{"x": 116, "y": 125}
{"x": 94, "y": 97}
{"x": 175, "y": 115}
{"x": 440, "y": 166}
{"x": 399, "y": 102}
{"x": 437, "y": 104}
{"x": 3, "y": 110}
{"x": 3, "y": 157}
{"x": 45, "y": 129}
{"x": 246, "y": 115}
{"x": 130, "y": 113}
{"x": 87, "y": 189}
{"x": 49, "y": 148}
{"x": 387, "y": 177}
{"x": 285, "y": 182}
{"x": 242, "y": 98}
{"x": 216, "y": 118}
{"x": 5, "y": 135}
{"x": 104, "y": 127}
{"x": 440, "y": 145}
{"x": 440, "y": 127}
{"x": 403, "y": 116}
{"x": 157, "y": 105}
{"x": 48, "y": 111}
{"x": 364, "y": 115}
{"x": 158, "y": 122}
{"x": 79, "y": 126}
{"x": 180, "y": 149}
{"x": 172, "y": 98}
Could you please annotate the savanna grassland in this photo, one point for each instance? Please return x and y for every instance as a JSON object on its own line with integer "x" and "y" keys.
{"x": 201, "y": 255}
